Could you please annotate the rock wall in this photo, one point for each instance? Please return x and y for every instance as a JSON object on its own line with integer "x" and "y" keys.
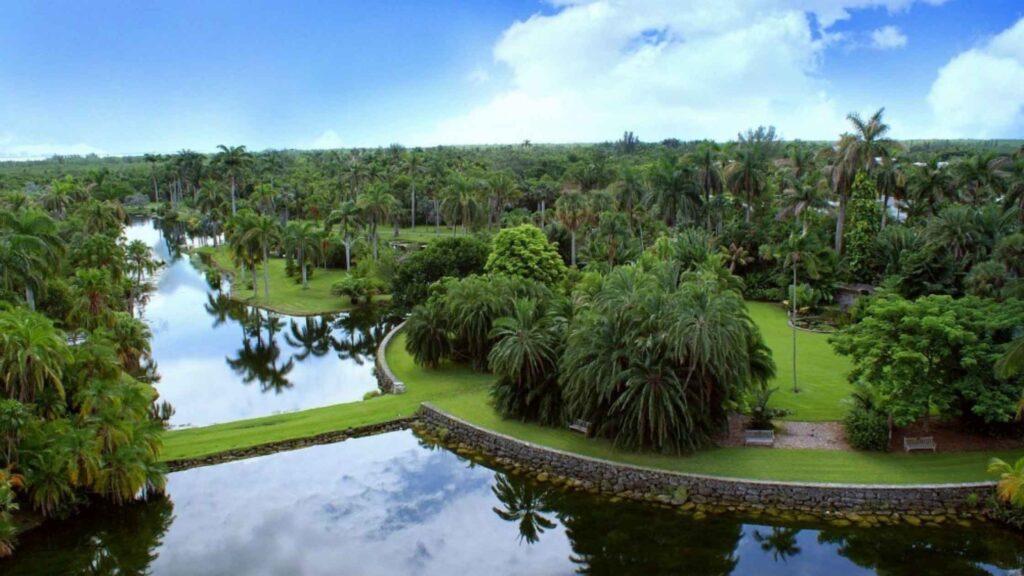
{"x": 386, "y": 380}
{"x": 910, "y": 501}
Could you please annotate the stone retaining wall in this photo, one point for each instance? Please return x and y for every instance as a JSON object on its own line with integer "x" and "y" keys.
{"x": 386, "y": 380}
{"x": 283, "y": 445}
{"x": 670, "y": 487}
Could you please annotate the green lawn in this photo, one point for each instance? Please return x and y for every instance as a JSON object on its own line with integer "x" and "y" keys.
{"x": 422, "y": 234}
{"x": 286, "y": 295}
{"x": 471, "y": 404}
{"x": 437, "y": 386}
{"x": 821, "y": 373}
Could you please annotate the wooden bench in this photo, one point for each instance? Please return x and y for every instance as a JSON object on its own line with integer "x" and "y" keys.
{"x": 759, "y": 437}
{"x": 918, "y": 443}
{"x": 581, "y": 426}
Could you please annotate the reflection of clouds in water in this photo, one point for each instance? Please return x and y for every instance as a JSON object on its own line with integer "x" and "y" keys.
{"x": 191, "y": 354}
{"x": 380, "y": 505}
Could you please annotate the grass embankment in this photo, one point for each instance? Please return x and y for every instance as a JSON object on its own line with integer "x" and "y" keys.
{"x": 439, "y": 385}
{"x": 821, "y": 373}
{"x": 422, "y": 234}
{"x": 471, "y": 403}
{"x": 286, "y": 295}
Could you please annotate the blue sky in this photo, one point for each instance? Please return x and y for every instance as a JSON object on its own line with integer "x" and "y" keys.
{"x": 138, "y": 76}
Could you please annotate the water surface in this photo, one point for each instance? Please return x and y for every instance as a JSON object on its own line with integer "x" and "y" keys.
{"x": 389, "y": 505}
{"x": 221, "y": 361}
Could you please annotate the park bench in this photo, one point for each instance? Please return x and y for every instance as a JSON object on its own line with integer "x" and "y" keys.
{"x": 918, "y": 443}
{"x": 759, "y": 437}
{"x": 581, "y": 426}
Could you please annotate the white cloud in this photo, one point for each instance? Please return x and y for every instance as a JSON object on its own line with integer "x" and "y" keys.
{"x": 328, "y": 140}
{"x": 12, "y": 149}
{"x": 980, "y": 92}
{"x": 888, "y": 37}
{"x": 705, "y": 68}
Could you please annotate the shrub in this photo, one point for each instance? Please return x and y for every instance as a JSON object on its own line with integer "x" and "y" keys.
{"x": 761, "y": 415}
{"x": 867, "y": 429}
{"x": 456, "y": 257}
{"x": 525, "y": 252}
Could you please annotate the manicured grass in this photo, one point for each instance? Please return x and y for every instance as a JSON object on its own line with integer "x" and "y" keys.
{"x": 422, "y": 234}
{"x": 821, "y": 373}
{"x": 437, "y": 386}
{"x": 472, "y": 404}
{"x": 286, "y": 295}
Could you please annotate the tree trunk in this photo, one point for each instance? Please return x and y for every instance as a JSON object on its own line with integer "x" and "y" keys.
{"x": 373, "y": 237}
{"x": 796, "y": 387}
{"x": 232, "y": 195}
{"x": 255, "y": 283}
{"x": 573, "y": 236}
{"x": 348, "y": 253}
{"x": 30, "y": 297}
{"x": 840, "y": 224}
{"x": 885, "y": 208}
{"x": 437, "y": 219}
{"x": 266, "y": 273}
{"x": 412, "y": 213}
{"x": 305, "y": 283}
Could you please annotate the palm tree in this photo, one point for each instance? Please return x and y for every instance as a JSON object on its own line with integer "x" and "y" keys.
{"x": 1014, "y": 197}
{"x": 243, "y": 250}
{"x": 234, "y": 159}
{"x": 29, "y": 251}
{"x": 265, "y": 233}
{"x": 152, "y": 160}
{"x": 572, "y": 211}
{"x": 674, "y": 190}
{"x": 800, "y": 195}
{"x": 460, "y": 200}
{"x": 929, "y": 184}
{"x": 524, "y": 358}
{"x": 346, "y": 216}
{"x": 890, "y": 181}
{"x": 856, "y": 152}
{"x": 1012, "y": 362}
{"x": 523, "y": 504}
{"x": 1010, "y": 487}
{"x": 798, "y": 250}
{"x": 503, "y": 191}
{"x": 91, "y": 306}
{"x": 101, "y": 217}
{"x": 376, "y": 203}
{"x": 981, "y": 176}
{"x": 709, "y": 174}
{"x": 747, "y": 175}
{"x": 304, "y": 241}
{"x": 33, "y": 355}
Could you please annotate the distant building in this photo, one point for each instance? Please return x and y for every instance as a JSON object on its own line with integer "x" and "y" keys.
{"x": 847, "y": 294}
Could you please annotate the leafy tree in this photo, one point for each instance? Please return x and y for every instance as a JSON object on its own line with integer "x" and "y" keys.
{"x": 376, "y": 203}
{"x": 301, "y": 239}
{"x": 936, "y": 352}
{"x": 457, "y": 257}
{"x": 234, "y": 160}
{"x": 572, "y": 211}
{"x": 864, "y": 227}
{"x": 525, "y": 252}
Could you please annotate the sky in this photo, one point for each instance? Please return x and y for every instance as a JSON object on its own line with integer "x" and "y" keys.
{"x": 137, "y": 76}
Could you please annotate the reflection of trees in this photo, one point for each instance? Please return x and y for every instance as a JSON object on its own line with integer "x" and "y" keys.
{"x": 364, "y": 328}
{"x": 896, "y": 551}
{"x": 312, "y": 336}
{"x": 622, "y": 538}
{"x": 523, "y": 503}
{"x": 103, "y": 539}
{"x": 780, "y": 541}
{"x": 258, "y": 358}
{"x": 220, "y": 307}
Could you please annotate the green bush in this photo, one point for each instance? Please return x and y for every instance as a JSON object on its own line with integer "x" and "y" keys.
{"x": 525, "y": 252}
{"x": 867, "y": 429}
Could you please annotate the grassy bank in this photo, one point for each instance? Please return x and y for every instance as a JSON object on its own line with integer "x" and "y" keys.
{"x": 756, "y": 463}
{"x": 440, "y": 385}
{"x": 286, "y": 295}
{"x": 821, "y": 373}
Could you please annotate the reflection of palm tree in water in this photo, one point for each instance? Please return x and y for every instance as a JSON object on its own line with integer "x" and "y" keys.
{"x": 313, "y": 337}
{"x": 781, "y": 542}
{"x": 364, "y": 328}
{"x": 523, "y": 503}
{"x": 257, "y": 360}
{"x": 221, "y": 308}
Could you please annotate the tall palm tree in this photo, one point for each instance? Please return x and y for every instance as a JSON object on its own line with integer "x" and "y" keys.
{"x": 503, "y": 190}
{"x": 856, "y": 152}
{"x": 707, "y": 159}
{"x": 890, "y": 181}
{"x": 674, "y": 189}
{"x": 376, "y": 203}
{"x": 347, "y": 218}
{"x": 235, "y": 160}
{"x": 572, "y": 211}
{"x": 152, "y": 160}
{"x": 747, "y": 175}
{"x": 305, "y": 242}
{"x": 460, "y": 200}
{"x": 1014, "y": 197}
{"x": 800, "y": 195}
{"x": 265, "y": 233}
